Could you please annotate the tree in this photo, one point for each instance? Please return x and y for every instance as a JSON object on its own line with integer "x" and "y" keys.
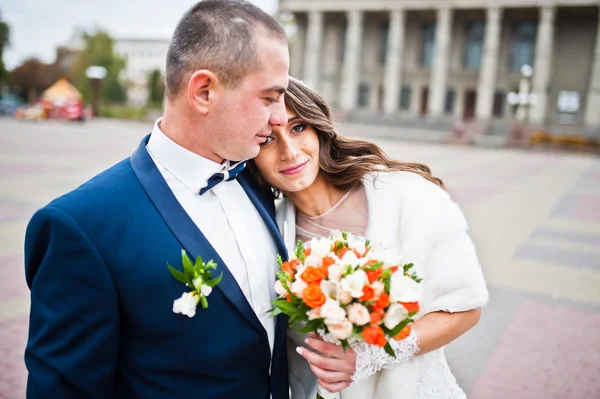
{"x": 29, "y": 79}
{"x": 4, "y": 42}
{"x": 99, "y": 50}
{"x": 156, "y": 88}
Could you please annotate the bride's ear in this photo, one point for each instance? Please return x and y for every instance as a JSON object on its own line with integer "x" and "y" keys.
{"x": 202, "y": 88}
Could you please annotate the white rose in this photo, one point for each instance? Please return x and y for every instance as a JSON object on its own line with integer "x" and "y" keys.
{"x": 394, "y": 315}
{"x": 344, "y": 297}
{"x": 358, "y": 314}
{"x": 279, "y": 289}
{"x": 334, "y": 272}
{"x": 329, "y": 289}
{"x": 351, "y": 259}
{"x": 388, "y": 257}
{"x": 312, "y": 260}
{"x": 378, "y": 288}
{"x": 354, "y": 283}
{"x": 298, "y": 287}
{"x": 404, "y": 288}
{"x": 205, "y": 290}
{"x": 332, "y": 312}
{"x": 186, "y": 305}
{"x": 342, "y": 330}
{"x": 320, "y": 247}
{"x": 314, "y": 314}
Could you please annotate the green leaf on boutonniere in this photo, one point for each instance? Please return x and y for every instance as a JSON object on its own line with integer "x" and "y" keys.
{"x": 188, "y": 267}
{"x": 179, "y": 276}
{"x": 213, "y": 283}
{"x": 211, "y": 265}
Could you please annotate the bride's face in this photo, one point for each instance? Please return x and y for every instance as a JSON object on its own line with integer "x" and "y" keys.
{"x": 289, "y": 158}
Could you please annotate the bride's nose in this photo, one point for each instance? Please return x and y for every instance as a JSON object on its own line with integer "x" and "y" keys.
{"x": 289, "y": 150}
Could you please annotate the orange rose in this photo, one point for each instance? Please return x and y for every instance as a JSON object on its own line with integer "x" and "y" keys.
{"x": 403, "y": 334}
{"x": 368, "y": 293}
{"x": 327, "y": 261}
{"x": 341, "y": 252}
{"x": 374, "y": 335}
{"x": 313, "y": 275}
{"x": 295, "y": 264}
{"x": 287, "y": 268}
{"x": 307, "y": 252}
{"x": 374, "y": 275}
{"x": 383, "y": 302}
{"x": 376, "y": 317}
{"x": 313, "y": 296}
{"x": 410, "y": 306}
{"x": 394, "y": 269}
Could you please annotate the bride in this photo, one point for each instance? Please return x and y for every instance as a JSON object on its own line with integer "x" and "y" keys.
{"x": 330, "y": 182}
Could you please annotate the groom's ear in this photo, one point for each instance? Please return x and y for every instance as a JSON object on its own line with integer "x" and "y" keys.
{"x": 201, "y": 90}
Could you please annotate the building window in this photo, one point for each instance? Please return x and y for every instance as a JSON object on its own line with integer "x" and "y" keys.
{"x": 427, "y": 44}
{"x": 363, "y": 95}
{"x": 405, "y": 97}
{"x": 499, "y": 100}
{"x": 522, "y": 46}
{"x": 383, "y": 40}
{"x": 449, "y": 101}
{"x": 474, "y": 46}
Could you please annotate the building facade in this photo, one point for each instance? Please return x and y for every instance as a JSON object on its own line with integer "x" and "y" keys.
{"x": 455, "y": 60}
{"x": 142, "y": 56}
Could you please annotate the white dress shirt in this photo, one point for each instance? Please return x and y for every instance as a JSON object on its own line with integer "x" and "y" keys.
{"x": 226, "y": 217}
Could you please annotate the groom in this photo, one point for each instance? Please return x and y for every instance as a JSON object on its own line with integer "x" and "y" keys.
{"x": 103, "y": 321}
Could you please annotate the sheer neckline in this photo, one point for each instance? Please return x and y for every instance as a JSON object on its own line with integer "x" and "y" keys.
{"x": 332, "y": 209}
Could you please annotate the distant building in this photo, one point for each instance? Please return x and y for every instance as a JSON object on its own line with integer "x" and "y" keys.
{"x": 454, "y": 60}
{"x": 142, "y": 57}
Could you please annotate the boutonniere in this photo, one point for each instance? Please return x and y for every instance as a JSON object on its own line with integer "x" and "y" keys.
{"x": 196, "y": 276}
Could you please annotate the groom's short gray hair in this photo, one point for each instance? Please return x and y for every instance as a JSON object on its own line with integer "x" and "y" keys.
{"x": 218, "y": 35}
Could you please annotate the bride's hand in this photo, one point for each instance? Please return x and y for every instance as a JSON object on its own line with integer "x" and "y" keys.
{"x": 334, "y": 370}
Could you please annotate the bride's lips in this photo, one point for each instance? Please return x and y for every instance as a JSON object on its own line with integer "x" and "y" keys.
{"x": 294, "y": 169}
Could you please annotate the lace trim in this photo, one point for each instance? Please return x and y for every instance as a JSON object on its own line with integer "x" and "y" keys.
{"x": 371, "y": 358}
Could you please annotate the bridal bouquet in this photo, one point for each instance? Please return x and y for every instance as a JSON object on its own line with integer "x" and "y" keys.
{"x": 344, "y": 290}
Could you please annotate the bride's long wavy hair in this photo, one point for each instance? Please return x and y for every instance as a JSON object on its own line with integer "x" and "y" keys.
{"x": 343, "y": 161}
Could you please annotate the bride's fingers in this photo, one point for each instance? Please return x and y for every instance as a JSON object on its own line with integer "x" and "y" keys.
{"x": 328, "y": 349}
{"x": 327, "y": 363}
{"x": 330, "y": 377}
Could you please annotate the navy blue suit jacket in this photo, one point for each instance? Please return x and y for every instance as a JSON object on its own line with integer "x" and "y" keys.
{"x": 102, "y": 324}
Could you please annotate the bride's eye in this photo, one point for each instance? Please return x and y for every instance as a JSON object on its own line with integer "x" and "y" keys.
{"x": 267, "y": 141}
{"x": 299, "y": 128}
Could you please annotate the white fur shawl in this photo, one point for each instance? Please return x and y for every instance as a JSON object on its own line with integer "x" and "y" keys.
{"x": 418, "y": 220}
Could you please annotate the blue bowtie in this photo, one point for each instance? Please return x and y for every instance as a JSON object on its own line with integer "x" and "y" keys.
{"x": 227, "y": 175}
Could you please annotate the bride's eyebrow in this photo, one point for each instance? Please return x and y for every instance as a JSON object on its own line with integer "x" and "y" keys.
{"x": 293, "y": 119}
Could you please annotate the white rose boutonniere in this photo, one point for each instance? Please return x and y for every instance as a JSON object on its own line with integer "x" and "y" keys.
{"x": 196, "y": 276}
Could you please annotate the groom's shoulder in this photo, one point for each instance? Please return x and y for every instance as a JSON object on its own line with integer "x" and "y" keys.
{"x": 102, "y": 192}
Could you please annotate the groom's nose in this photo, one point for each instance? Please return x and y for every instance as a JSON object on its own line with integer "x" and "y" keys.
{"x": 279, "y": 115}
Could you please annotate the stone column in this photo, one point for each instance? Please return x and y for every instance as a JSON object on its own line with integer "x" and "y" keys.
{"x": 542, "y": 67}
{"x": 393, "y": 66}
{"x": 312, "y": 54}
{"x": 592, "y": 109}
{"x": 331, "y": 64}
{"x": 351, "y": 67}
{"x": 297, "y": 49}
{"x": 439, "y": 72}
{"x": 486, "y": 86}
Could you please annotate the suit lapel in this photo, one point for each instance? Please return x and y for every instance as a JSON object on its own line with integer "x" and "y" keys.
{"x": 186, "y": 231}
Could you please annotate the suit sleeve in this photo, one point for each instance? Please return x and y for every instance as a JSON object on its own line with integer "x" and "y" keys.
{"x": 74, "y": 319}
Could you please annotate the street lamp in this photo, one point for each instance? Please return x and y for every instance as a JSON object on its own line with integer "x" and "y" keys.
{"x": 524, "y": 99}
{"x": 96, "y": 74}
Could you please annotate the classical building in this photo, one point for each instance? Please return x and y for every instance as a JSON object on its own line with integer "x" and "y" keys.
{"x": 454, "y": 60}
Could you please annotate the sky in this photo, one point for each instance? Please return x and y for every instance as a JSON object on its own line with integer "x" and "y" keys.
{"x": 39, "y": 26}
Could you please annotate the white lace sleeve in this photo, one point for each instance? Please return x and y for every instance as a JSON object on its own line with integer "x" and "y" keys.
{"x": 371, "y": 358}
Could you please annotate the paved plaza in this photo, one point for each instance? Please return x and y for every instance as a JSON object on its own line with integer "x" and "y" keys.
{"x": 534, "y": 217}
